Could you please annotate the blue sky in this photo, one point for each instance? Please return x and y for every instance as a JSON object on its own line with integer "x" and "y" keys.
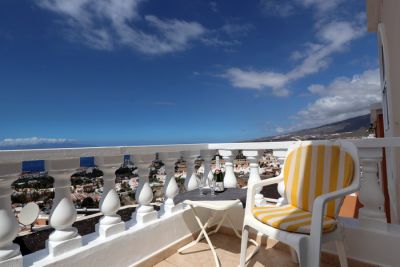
{"x": 121, "y": 72}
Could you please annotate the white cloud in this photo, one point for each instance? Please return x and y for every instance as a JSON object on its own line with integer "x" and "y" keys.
{"x": 107, "y": 24}
{"x": 175, "y": 34}
{"x": 33, "y": 141}
{"x": 277, "y": 8}
{"x": 288, "y": 7}
{"x": 280, "y": 129}
{"x": 214, "y": 7}
{"x": 236, "y": 29}
{"x": 227, "y": 36}
{"x": 343, "y": 98}
{"x": 321, "y": 6}
{"x": 333, "y": 37}
{"x": 316, "y": 88}
{"x": 218, "y": 41}
{"x": 257, "y": 80}
{"x": 296, "y": 55}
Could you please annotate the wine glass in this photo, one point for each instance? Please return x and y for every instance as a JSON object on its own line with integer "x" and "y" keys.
{"x": 201, "y": 181}
{"x": 211, "y": 183}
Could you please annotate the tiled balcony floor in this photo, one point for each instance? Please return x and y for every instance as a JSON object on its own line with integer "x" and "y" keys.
{"x": 228, "y": 250}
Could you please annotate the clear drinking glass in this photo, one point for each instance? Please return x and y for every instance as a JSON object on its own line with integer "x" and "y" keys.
{"x": 201, "y": 182}
{"x": 211, "y": 183}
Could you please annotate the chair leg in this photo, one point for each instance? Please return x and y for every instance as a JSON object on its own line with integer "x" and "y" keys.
{"x": 341, "y": 253}
{"x": 293, "y": 254}
{"x": 314, "y": 259}
{"x": 302, "y": 257}
{"x": 243, "y": 247}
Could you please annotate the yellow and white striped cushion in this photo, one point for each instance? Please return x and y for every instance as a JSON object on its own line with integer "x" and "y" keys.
{"x": 312, "y": 170}
{"x": 289, "y": 218}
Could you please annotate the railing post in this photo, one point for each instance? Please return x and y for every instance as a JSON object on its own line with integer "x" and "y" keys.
{"x": 144, "y": 194}
{"x": 171, "y": 188}
{"x": 230, "y": 180}
{"x": 110, "y": 223}
{"x": 281, "y": 155}
{"x": 10, "y": 254}
{"x": 63, "y": 212}
{"x": 371, "y": 195}
{"x": 191, "y": 179}
{"x": 252, "y": 156}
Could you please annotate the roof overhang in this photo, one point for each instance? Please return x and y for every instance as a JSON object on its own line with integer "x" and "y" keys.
{"x": 373, "y": 14}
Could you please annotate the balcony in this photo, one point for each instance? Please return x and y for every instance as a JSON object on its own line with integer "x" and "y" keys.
{"x": 152, "y": 236}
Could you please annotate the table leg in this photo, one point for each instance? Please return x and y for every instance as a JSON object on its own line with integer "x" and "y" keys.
{"x": 199, "y": 237}
{"x": 203, "y": 232}
{"x": 226, "y": 216}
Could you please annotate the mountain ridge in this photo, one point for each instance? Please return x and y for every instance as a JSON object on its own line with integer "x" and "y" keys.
{"x": 355, "y": 127}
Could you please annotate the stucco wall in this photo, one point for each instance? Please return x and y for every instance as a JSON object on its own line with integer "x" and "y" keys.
{"x": 391, "y": 34}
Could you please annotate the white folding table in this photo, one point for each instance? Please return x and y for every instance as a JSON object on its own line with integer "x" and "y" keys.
{"x": 215, "y": 206}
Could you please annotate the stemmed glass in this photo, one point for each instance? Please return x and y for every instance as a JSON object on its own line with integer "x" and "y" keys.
{"x": 201, "y": 181}
{"x": 211, "y": 183}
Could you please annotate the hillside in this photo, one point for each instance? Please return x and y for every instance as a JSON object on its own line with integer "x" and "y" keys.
{"x": 350, "y": 128}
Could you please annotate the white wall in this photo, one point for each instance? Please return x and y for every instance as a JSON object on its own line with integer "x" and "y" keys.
{"x": 126, "y": 248}
{"x": 389, "y": 34}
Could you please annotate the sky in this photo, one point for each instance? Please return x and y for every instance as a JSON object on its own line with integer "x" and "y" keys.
{"x": 138, "y": 72}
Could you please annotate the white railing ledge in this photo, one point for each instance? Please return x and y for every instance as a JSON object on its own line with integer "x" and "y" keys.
{"x": 163, "y": 148}
{"x": 126, "y": 248}
{"x": 252, "y": 145}
{"x": 8, "y": 156}
{"x": 376, "y": 142}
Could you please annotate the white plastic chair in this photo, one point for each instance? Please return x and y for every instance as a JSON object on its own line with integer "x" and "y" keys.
{"x": 307, "y": 245}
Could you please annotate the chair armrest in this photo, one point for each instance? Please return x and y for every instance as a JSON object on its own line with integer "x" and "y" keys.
{"x": 319, "y": 207}
{"x": 251, "y": 189}
{"x": 320, "y": 201}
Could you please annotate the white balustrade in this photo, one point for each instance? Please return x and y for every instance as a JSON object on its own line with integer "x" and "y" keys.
{"x": 110, "y": 223}
{"x": 144, "y": 194}
{"x": 191, "y": 176}
{"x": 63, "y": 212}
{"x": 230, "y": 180}
{"x": 62, "y": 163}
{"x": 280, "y": 154}
{"x": 252, "y": 157}
{"x": 171, "y": 188}
{"x": 371, "y": 195}
{"x": 9, "y": 252}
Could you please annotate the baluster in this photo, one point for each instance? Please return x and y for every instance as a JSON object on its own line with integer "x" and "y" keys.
{"x": 281, "y": 155}
{"x": 110, "y": 223}
{"x": 63, "y": 212}
{"x": 371, "y": 195}
{"x": 144, "y": 194}
{"x": 252, "y": 156}
{"x": 171, "y": 188}
{"x": 9, "y": 252}
{"x": 191, "y": 176}
{"x": 230, "y": 180}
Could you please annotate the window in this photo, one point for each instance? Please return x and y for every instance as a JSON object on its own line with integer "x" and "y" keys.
{"x": 385, "y": 107}
{"x": 384, "y": 83}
